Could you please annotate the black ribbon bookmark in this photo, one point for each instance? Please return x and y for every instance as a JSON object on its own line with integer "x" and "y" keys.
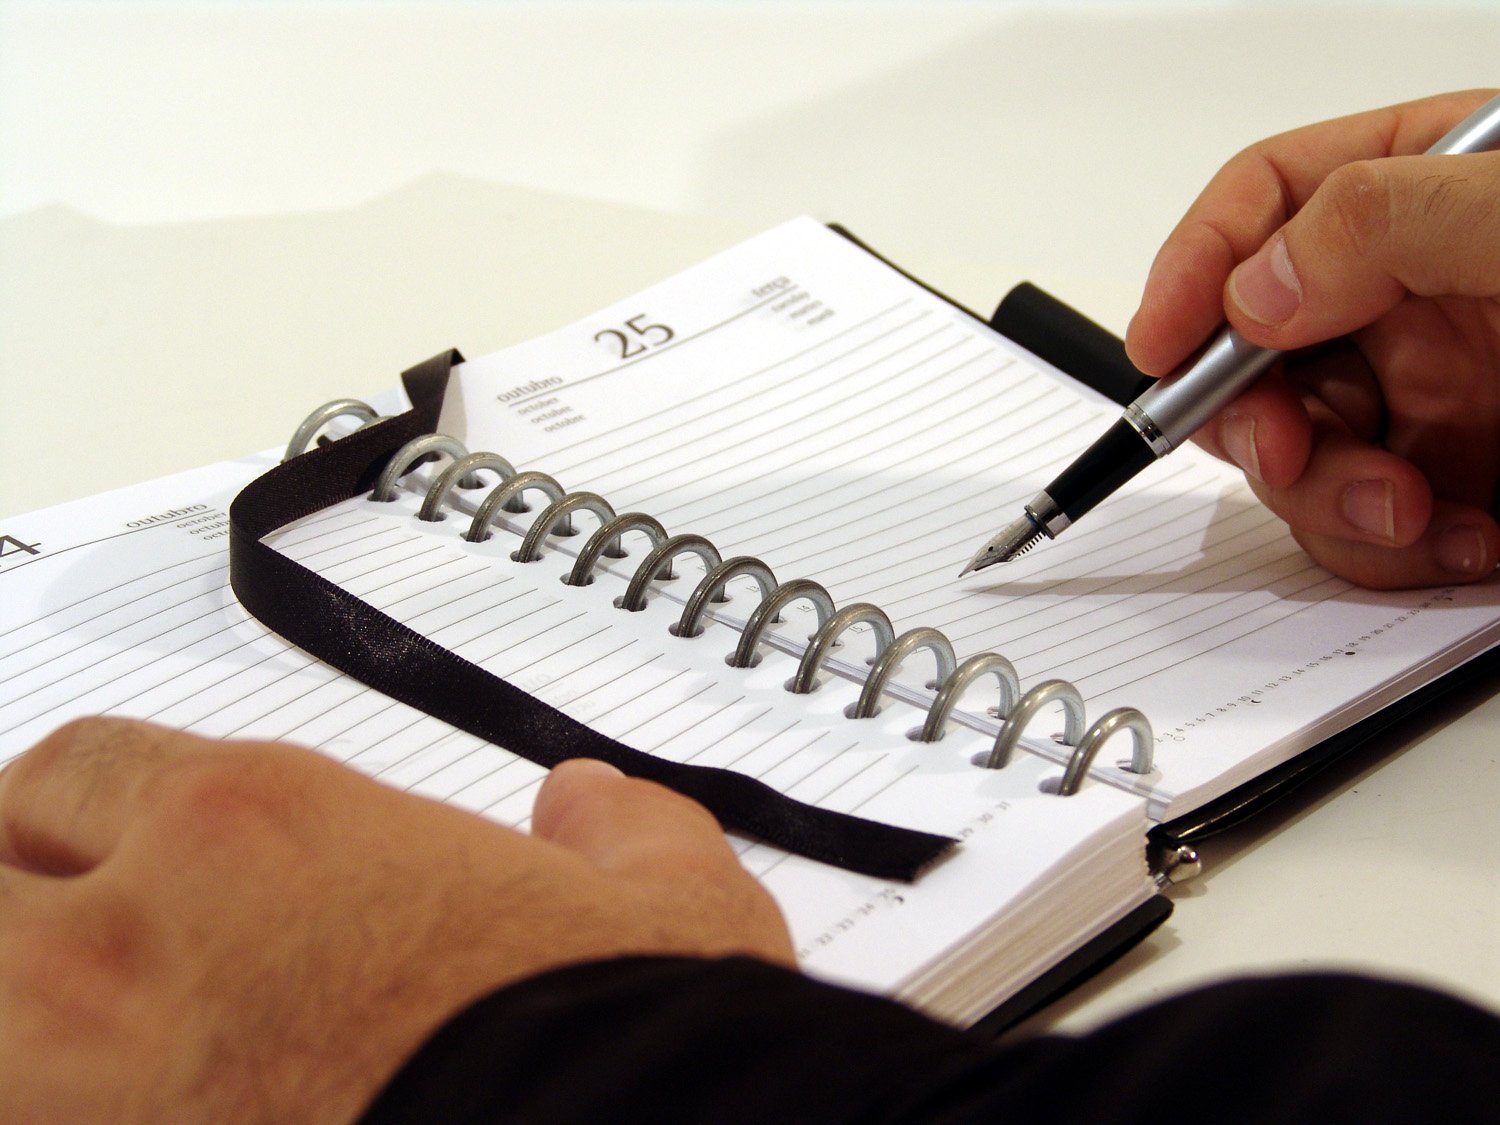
{"x": 357, "y": 639}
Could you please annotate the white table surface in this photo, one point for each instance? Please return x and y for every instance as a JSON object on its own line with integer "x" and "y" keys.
{"x": 214, "y": 215}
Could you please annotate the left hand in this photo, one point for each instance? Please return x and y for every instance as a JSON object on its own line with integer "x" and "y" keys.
{"x": 208, "y": 930}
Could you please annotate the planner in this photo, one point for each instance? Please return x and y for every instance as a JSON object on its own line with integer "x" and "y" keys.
{"x": 799, "y": 428}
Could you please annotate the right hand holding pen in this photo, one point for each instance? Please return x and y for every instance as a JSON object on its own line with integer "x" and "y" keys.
{"x": 1379, "y": 440}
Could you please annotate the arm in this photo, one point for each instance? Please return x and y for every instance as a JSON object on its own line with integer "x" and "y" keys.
{"x": 671, "y": 1039}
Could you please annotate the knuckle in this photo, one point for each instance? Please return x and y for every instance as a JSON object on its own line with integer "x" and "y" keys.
{"x": 224, "y": 800}
{"x": 1439, "y": 196}
{"x": 77, "y": 738}
{"x": 1462, "y": 214}
{"x": 1357, "y": 204}
{"x": 89, "y": 747}
{"x": 75, "y": 974}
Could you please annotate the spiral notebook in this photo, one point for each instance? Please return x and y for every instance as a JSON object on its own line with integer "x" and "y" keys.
{"x": 797, "y": 401}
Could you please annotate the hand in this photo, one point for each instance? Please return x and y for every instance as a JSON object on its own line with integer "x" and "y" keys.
{"x": 1379, "y": 440}
{"x": 209, "y": 930}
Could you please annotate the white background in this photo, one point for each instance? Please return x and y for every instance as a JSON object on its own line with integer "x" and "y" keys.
{"x": 1059, "y": 140}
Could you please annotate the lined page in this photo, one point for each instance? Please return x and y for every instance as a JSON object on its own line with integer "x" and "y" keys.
{"x": 120, "y": 605}
{"x": 797, "y": 400}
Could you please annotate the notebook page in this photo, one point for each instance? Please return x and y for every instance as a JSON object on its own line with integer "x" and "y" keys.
{"x": 797, "y": 400}
{"x": 121, "y": 605}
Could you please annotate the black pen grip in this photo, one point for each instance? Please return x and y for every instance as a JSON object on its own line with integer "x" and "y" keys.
{"x": 1103, "y": 468}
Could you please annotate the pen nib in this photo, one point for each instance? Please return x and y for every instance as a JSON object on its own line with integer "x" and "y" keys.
{"x": 1015, "y": 540}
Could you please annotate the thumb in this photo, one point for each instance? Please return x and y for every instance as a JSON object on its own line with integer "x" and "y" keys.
{"x": 670, "y": 851}
{"x": 627, "y": 826}
{"x": 1374, "y": 231}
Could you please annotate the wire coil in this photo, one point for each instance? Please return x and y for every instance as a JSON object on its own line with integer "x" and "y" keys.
{"x": 1015, "y": 709}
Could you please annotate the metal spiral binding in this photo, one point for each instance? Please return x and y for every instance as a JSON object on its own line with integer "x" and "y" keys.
{"x": 408, "y": 455}
{"x": 658, "y": 564}
{"x": 890, "y": 659}
{"x": 711, "y": 588}
{"x": 558, "y": 517}
{"x": 1044, "y": 694}
{"x": 461, "y": 469}
{"x": 826, "y": 637}
{"x": 965, "y": 674}
{"x": 507, "y": 496}
{"x": 1015, "y": 709}
{"x": 303, "y": 435}
{"x": 606, "y": 542}
{"x": 1086, "y": 743}
{"x": 770, "y": 606}
{"x": 1121, "y": 718}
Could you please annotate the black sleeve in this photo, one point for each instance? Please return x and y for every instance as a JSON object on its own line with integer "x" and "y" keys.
{"x": 679, "y": 1039}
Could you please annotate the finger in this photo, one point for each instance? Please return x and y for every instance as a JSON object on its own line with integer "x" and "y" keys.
{"x": 65, "y": 802}
{"x": 1340, "y": 378}
{"x": 1265, "y": 431}
{"x": 1248, "y": 200}
{"x": 670, "y": 850}
{"x": 625, "y": 825}
{"x": 1442, "y": 397}
{"x": 1353, "y": 490}
{"x": 1183, "y": 300}
{"x": 1373, "y": 232}
{"x": 1459, "y": 544}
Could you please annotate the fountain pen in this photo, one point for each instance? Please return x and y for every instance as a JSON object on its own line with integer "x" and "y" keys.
{"x": 1174, "y": 408}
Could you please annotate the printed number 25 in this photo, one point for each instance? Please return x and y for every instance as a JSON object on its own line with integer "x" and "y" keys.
{"x": 638, "y": 338}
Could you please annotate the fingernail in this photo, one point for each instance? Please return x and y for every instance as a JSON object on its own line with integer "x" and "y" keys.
{"x": 1369, "y": 506}
{"x": 591, "y": 765}
{"x": 1460, "y": 550}
{"x": 1265, "y": 285}
{"x": 1237, "y": 436}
